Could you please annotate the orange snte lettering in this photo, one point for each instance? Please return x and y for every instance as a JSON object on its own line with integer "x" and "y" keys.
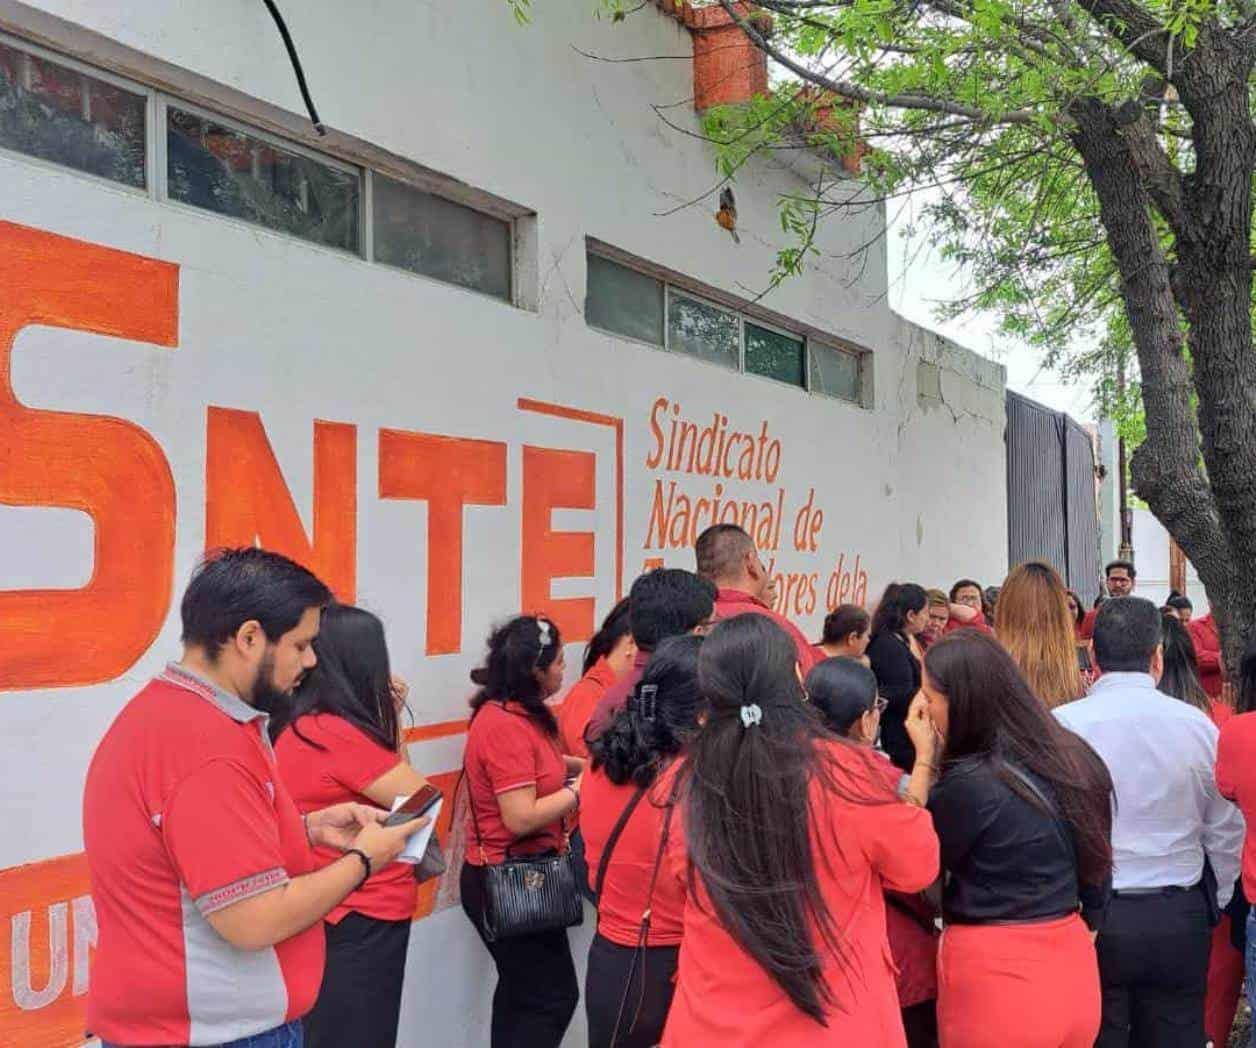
{"x": 110, "y": 469}
{"x": 448, "y": 473}
{"x": 247, "y": 500}
{"x": 557, "y": 479}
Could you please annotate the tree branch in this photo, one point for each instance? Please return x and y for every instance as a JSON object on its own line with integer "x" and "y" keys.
{"x": 846, "y": 89}
{"x": 1139, "y": 31}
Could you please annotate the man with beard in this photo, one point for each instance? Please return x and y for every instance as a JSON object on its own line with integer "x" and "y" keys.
{"x": 208, "y": 910}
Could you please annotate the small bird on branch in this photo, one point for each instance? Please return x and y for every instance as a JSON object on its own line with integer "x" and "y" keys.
{"x": 726, "y": 216}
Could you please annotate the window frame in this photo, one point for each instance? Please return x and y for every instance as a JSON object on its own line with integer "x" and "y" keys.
{"x": 164, "y": 102}
{"x": 702, "y": 300}
{"x": 163, "y": 85}
{"x": 512, "y": 235}
{"x": 746, "y": 313}
{"x": 105, "y": 77}
{"x": 796, "y": 336}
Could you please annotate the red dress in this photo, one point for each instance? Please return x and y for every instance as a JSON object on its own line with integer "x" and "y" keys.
{"x": 724, "y": 998}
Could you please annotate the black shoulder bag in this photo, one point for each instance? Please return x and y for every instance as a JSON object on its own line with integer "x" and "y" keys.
{"x": 528, "y": 893}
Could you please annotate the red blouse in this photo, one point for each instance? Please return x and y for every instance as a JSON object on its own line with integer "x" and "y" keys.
{"x": 507, "y": 750}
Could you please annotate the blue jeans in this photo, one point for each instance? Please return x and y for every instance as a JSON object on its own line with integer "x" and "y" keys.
{"x": 290, "y": 1035}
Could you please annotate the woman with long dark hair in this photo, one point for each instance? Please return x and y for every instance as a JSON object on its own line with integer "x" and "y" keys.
{"x": 520, "y": 788}
{"x": 844, "y": 692}
{"x": 786, "y": 839}
{"x": 1180, "y": 678}
{"x": 1024, "y": 813}
{"x": 901, "y": 616}
{"x": 607, "y": 656}
{"x": 632, "y": 961}
{"x": 343, "y": 743}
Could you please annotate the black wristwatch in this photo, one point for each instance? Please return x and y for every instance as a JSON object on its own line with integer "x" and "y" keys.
{"x": 366, "y": 864}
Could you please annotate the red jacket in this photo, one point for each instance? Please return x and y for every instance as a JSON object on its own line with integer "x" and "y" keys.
{"x": 730, "y": 603}
{"x": 1207, "y": 643}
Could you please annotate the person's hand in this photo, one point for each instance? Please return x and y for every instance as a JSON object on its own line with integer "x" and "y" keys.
{"x": 919, "y": 727}
{"x": 339, "y": 825}
{"x": 382, "y": 844}
{"x": 399, "y": 688}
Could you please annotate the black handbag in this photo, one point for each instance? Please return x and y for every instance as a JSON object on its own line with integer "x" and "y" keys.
{"x": 527, "y": 894}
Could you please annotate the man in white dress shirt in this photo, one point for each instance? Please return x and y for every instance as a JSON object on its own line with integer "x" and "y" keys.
{"x": 1168, "y": 821}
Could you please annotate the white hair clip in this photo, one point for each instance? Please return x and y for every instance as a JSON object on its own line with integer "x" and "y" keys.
{"x": 544, "y": 636}
{"x": 751, "y": 715}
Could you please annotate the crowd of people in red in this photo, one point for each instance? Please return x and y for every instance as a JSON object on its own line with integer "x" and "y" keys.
{"x": 968, "y": 818}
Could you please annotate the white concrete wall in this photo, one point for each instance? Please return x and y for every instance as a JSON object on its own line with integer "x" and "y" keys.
{"x": 1151, "y": 557}
{"x": 913, "y": 488}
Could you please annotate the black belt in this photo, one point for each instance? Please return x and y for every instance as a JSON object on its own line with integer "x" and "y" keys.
{"x": 1153, "y": 893}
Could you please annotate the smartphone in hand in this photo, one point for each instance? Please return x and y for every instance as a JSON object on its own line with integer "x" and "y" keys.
{"x": 416, "y": 805}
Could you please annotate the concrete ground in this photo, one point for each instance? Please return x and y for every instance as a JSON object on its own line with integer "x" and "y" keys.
{"x": 1241, "y": 1037}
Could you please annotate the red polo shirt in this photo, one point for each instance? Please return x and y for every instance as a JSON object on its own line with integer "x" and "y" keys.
{"x": 325, "y": 760}
{"x": 507, "y": 750}
{"x": 1207, "y": 643}
{"x": 184, "y": 814}
{"x": 626, "y": 889}
{"x": 577, "y": 708}
{"x": 730, "y": 603}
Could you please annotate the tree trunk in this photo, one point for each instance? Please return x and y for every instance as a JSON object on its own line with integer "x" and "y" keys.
{"x": 1214, "y": 288}
{"x": 1166, "y": 468}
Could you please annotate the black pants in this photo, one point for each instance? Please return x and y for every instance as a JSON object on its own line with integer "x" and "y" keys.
{"x": 920, "y": 1024}
{"x": 1153, "y": 965}
{"x": 360, "y": 999}
{"x": 537, "y": 990}
{"x": 631, "y": 989}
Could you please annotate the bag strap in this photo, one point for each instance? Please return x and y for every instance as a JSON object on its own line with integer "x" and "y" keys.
{"x": 475, "y": 821}
{"x": 1048, "y": 803}
{"x": 643, "y": 935}
{"x": 613, "y": 839}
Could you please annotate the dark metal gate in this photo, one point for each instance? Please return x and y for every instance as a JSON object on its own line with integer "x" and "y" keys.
{"x": 1051, "y": 513}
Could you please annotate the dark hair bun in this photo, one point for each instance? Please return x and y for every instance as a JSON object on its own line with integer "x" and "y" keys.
{"x": 479, "y": 676}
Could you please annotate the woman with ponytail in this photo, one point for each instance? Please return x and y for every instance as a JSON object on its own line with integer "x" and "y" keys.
{"x": 785, "y": 839}
{"x": 632, "y": 961}
{"x": 520, "y": 788}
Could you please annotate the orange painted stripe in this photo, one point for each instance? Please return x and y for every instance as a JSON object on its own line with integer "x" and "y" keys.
{"x": 423, "y": 732}
{"x": 540, "y": 407}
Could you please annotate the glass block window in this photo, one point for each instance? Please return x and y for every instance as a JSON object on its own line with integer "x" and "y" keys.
{"x": 52, "y": 112}
{"x": 233, "y": 173}
{"x": 836, "y": 372}
{"x": 437, "y": 238}
{"x": 774, "y": 355}
{"x": 622, "y": 301}
{"x": 703, "y": 330}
